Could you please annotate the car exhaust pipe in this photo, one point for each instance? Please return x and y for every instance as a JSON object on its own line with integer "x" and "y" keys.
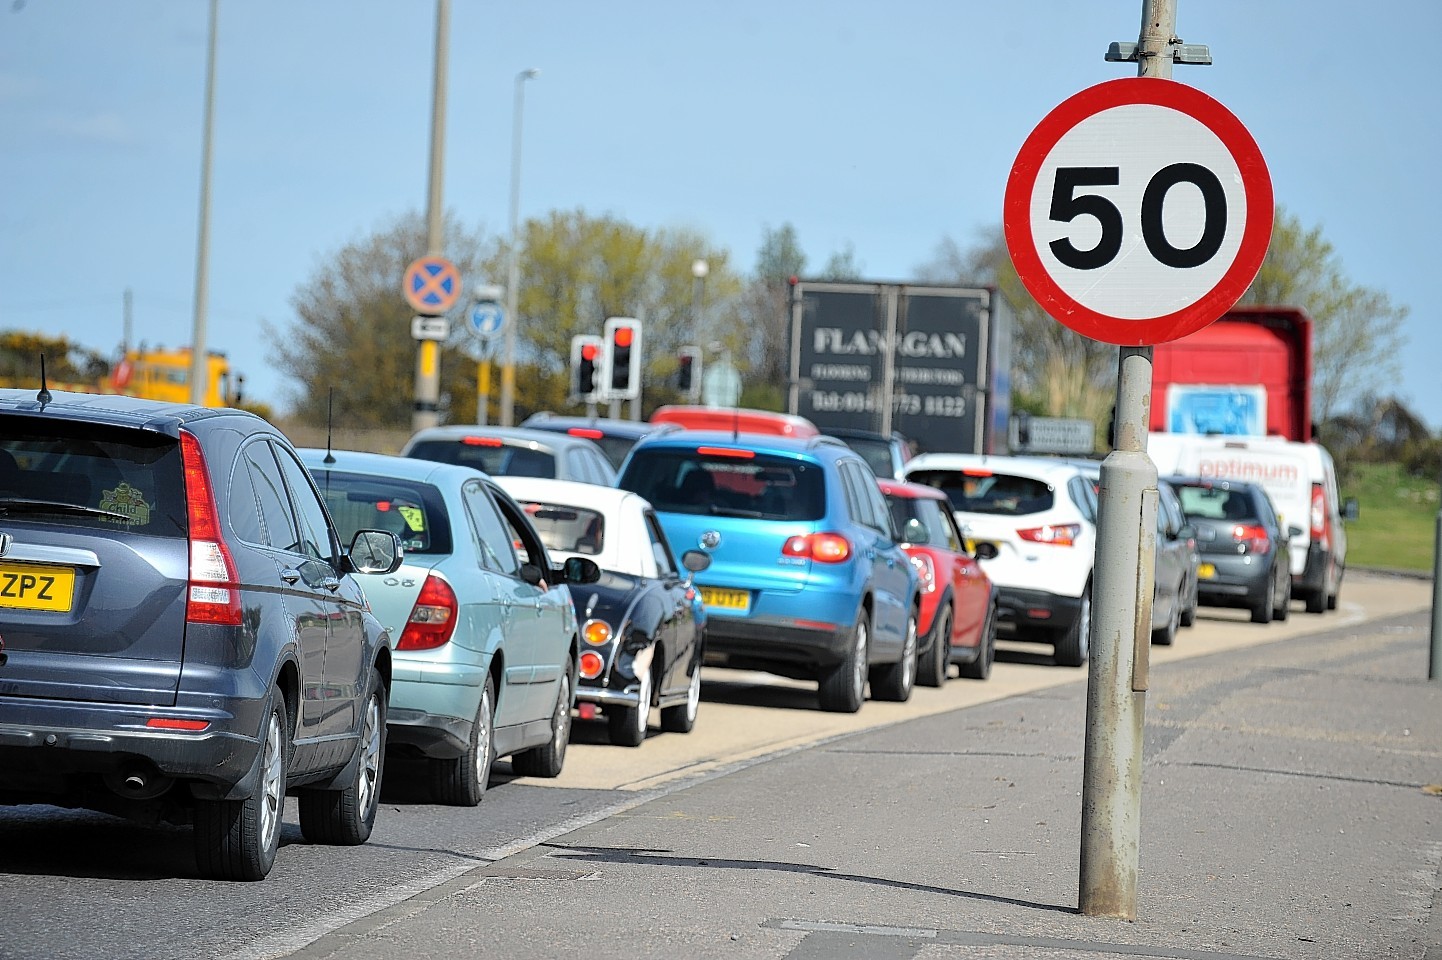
{"x": 138, "y": 781}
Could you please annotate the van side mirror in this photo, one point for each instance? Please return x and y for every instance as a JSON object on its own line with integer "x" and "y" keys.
{"x": 1351, "y": 509}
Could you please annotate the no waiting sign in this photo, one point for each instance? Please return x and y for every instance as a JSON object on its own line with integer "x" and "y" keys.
{"x": 1138, "y": 211}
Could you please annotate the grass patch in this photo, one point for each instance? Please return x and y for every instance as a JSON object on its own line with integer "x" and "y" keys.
{"x": 1397, "y": 527}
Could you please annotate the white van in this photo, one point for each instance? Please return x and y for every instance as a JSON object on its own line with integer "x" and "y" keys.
{"x": 1302, "y": 482}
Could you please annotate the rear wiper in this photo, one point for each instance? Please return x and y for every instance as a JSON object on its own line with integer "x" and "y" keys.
{"x": 737, "y": 512}
{"x": 53, "y": 506}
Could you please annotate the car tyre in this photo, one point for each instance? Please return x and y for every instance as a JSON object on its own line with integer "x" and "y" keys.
{"x": 1189, "y": 612}
{"x": 1284, "y": 608}
{"x": 345, "y": 817}
{"x": 1168, "y": 633}
{"x": 548, "y": 759}
{"x": 628, "y": 724}
{"x": 1262, "y": 609}
{"x": 843, "y": 687}
{"x": 934, "y": 666}
{"x": 238, "y": 839}
{"x": 462, "y": 781}
{"x": 980, "y": 668}
{"x": 895, "y": 681}
{"x": 1317, "y": 600}
{"x": 1071, "y": 648}
{"x": 682, "y": 717}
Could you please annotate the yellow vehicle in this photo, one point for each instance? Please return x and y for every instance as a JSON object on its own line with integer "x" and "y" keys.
{"x": 165, "y": 375}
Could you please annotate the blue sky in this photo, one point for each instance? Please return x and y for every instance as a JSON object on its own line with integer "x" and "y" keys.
{"x": 882, "y": 126}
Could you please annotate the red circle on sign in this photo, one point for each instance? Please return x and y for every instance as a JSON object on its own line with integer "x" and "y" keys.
{"x": 1020, "y": 233}
{"x": 432, "y": 285}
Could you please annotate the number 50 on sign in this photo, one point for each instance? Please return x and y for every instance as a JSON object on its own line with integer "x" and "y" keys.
{"x": 1138, "y": 211}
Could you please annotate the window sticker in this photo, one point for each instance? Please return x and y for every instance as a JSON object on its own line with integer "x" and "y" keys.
{"x": 129, "y": 502}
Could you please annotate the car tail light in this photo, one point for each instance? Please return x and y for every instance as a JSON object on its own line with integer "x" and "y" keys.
{"x": 176, "y": 723}
{"x": 822, "y": 547}
{"x": 587, "y": 432}
{"x": 726, "y": 452}
{"x": 926, "y": 570}
{"x": 1058, "y": 535}
{"x": 433, "y": 619}
{"x": 1254, "y": 538}
{"x": 591, "y": 665}
{"x": 596, "y": 632}
{"x": 214, "y": 590}
{"x": 481, "y": 441}
{"x": 1319, "y": 517}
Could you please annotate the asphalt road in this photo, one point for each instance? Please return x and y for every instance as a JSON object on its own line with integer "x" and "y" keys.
{"x": 82, "y": 885}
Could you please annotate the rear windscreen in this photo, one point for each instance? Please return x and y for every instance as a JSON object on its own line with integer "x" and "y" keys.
{"x": 567, "y": 529}
{"x": 750, "y": 485}
{"x": 997, "y": 493}
{"x": 415, "y": 512}
{"x": 497, "y": 459}
{"x": 876, "y": 453}
{"x": 91, "y": 476}
{"x": 920, "y": 521}
{"x": 1215, "y": 503}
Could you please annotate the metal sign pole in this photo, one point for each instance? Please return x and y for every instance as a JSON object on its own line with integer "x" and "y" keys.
{"x": 1122, "y": 592}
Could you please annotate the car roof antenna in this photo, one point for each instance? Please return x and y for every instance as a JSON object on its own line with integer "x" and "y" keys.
{"x": 43, "y": 397}
{"x": 329, "y": 420}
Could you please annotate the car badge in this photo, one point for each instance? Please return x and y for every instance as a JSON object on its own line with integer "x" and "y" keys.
{"x": 5, "y": 541}
{"x": 711, "y": 539}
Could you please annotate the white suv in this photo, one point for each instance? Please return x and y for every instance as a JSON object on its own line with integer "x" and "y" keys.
{"x": 1041, "y": 515}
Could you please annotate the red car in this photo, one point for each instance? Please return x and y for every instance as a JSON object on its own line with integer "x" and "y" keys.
{"x": 958, "y": 605}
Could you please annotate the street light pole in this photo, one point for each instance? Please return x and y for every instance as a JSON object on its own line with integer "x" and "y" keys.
{"x": 426, "y": 410}
{"x": 699, "y": 269}
{"x": 513, "y": 267}
{"x": 199, "y": 368}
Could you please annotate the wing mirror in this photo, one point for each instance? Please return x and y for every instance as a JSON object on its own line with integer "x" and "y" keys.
{"x": 579, "y": 570}
{"x": 375, "y": 551}
{"x": 985, "y": 551}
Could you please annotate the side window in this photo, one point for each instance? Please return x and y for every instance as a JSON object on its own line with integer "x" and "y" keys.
{"x": 874, "y": 513}
{"x": 954, "y": 540}
{"x": 578, "y": 466}
{"x": 605, "y": 473}
{"x": 316, "y": 539}
{"x": 854, "y": 506}
{"x": 665, "y": 563}
{"x": 497, "y": 553}
{"x": 244, "y": 504}
{"x": 520, "y": 531}
{"x": 276, "y": 517}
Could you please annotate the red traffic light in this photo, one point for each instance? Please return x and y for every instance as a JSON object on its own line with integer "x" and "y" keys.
{"x": 623, "y": 336}
{"x": 590, "y": 351}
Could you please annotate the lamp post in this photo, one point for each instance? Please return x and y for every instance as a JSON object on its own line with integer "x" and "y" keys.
{"x": 513, "y": 268}
{"x": 699, "y": 269}
{"x": 199, "y": 367}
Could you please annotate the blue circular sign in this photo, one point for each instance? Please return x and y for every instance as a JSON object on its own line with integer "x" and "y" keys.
{"x": 487, "y": 319}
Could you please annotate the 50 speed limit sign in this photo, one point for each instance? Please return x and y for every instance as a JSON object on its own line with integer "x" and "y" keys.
{"x": 1138, "y": 211}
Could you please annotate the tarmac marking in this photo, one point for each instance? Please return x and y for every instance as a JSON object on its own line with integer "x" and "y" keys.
{"x": 1298, "y": 773}
{"x": 839, "y": 941}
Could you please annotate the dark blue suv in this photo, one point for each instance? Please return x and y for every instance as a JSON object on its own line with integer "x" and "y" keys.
{"x": 181, "y": 633}
{"x": 806, "y": 578}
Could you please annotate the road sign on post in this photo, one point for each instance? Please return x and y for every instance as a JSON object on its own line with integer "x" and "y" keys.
{"x": 432, "y": 285}
{"x": 1138, "y": 212}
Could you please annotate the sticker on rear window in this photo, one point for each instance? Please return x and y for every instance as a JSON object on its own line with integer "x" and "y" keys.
{"x": 127, "y": 501}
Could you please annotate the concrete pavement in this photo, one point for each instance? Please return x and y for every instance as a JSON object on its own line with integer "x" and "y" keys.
{"x": 1291, "y": 809}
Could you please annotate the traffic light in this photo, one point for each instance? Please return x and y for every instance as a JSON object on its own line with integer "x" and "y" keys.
{"x": 586, "y": 351}
{"x": 622, "y": 365}
{"x": 688, "y": 372}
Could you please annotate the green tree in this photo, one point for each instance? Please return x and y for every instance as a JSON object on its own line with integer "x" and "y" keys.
{"x": 65, "y": 362}
{"x": 577, "y": 270}
{"x": 765, "y": 308}
{"x": 1356, "y": 333}
{"x": 352, "y": 331}
{"x": 843, "y": 265}
{"x": 1056, "y": 371}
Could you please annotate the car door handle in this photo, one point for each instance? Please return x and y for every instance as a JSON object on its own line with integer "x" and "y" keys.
{"x": 330, "y": 583}
{"x": 290, "y": 575}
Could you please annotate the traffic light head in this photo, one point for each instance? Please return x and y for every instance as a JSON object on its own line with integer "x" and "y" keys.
{"x": 623, "y": 358}
{"x": 688, "y": 372}
{"x": 586, "y": 353}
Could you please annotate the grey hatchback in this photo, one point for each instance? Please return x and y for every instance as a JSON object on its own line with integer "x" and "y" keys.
{"x": 181, "y": 636}
{"x": 514, "y": 452}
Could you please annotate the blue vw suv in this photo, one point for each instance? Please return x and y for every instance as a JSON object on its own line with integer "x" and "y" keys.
{"x": 806, "y": 578}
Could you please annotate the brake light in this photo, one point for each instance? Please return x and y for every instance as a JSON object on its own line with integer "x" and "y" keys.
{"x": 975, "y": 472}
{"x": 822, "y": 547}
{"x": 591, "y": 665}
{"x": 1319, "y": 517}
{"x": 726, "y": 452}
{"x": 586, "y": 432}
{"x": 176, "y": 723}
{"x": 926, "y": 570}
{"x": 433, "y": 618}
{"x": 213, "y": 595}
{"x": 1058, "y": 535}
{"x": 1254, "y": 538}
{"x": 481, "y": 441}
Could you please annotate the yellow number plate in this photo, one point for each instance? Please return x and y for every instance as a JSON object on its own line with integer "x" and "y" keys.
{"x": 1206, "y": 571}
{"x": 726, "y": 599}
{"x": 28, "y": 586}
